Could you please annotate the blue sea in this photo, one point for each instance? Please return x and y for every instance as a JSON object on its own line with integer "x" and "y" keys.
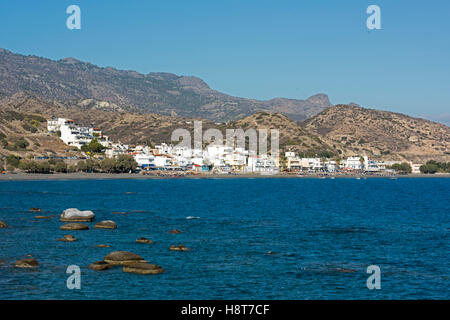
{"x": 253, "y": 239}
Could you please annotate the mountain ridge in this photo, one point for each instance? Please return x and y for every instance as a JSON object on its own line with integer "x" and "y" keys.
{"x": 70, "y": 79}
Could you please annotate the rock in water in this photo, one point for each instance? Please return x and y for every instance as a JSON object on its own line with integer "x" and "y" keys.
{"x": 106, "y": 224}
{"x": 75, "y": 215}
{"x": 42, "y": 217}
{"x": 26, "y": 263}
{"x": 100, "y": 265}
{"x": 143, "y": 268}
{"x": 74, "y": 226}
{"x": 102, "y": 245}
{"x": 68, "y": 238}
{"x": 143, "y": 240}
{"x": 176, "y": 231}
{"x": 180, "y": 247}
{"x": 123, "y": 258}
{"x": 35, "y": 210}
{"x": 3, "y": 224}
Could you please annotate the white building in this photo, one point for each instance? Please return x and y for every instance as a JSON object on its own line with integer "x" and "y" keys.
{"x": 330, "y": 166}
{"x": 75, "y": 135}
{"x": 261, "y": 164}
{"x": 353, "y": 163}
{"x": 116, "y": 149}
{"x": 312, "y": 164}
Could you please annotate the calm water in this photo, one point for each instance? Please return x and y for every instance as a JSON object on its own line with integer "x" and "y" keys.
{"x": 315, "y": 227}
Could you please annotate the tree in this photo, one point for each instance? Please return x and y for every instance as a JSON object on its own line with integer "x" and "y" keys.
{"x": 402, "y": 168}
{"x": 94, "y": 146}
{"x": 92, "y": 165}
{"x": 361, "y": 160}
{"x": 81, "y": 166}
{"x": 13, "y": 160}
{"x": 429, "y": 168}
{"x": 44, "y": 167}
{"x": 108, "y": 165}
{"x": 125, "y": 163}
{"x": 60, "y": 166}
{"x": 28, "y": 166}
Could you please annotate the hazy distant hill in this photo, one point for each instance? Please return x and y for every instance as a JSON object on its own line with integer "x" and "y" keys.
{"x": 163, "y": 93}
{"x": 388, "y": 134}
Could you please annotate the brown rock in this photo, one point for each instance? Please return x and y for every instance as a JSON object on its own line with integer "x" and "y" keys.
{"x": 35, "y": 210}
{"x": 143, "y": 268}
{"x": 123, "y": 258}
{"x": 107, "y": 224}
{"x": 143, "y": 240}
{"x": 102, "y": 246}
{"x": 100, "y": 265}
{"x": 26, "y": 263}
{"x": 42, "y": 217}
{"x": 180, "y": 247}
{"x": 3, "y": 224}
{"x": 175, "y": 231}
{"x": 68, "y": 238}
{"x": 74, "y": 226}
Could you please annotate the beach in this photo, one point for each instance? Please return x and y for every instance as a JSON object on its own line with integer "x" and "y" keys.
{"x": 114, "y": 176}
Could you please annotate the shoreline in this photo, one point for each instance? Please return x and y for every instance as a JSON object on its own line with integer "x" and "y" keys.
{"x": 136, "y": 176}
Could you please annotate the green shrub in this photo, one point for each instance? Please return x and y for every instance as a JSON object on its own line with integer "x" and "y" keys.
{"x": 60, "y": 167}
{"x": 21, "y": 143}
{"x": 13, "y": 161}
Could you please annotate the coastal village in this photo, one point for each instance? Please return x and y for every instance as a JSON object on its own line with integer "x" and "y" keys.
{"x": 215, "y": 159}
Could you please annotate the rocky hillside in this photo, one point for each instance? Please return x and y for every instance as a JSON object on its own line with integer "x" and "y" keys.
{"x": 292, "y": 136}
{"x": 71, "y": 80}
{"x": 339, "y": 131}
{"x": 381, "y": 133}
{"x": 26, "y": 135}
{"x": 135, "y": 128}
{"x": 124, "y": 126}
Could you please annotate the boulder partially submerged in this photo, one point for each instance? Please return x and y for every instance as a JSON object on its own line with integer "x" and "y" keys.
{"x": 35, "y": 210}
{"x": 106, "y": 224}
{"x": 74, "y": 226}
{"x": 102, "y": 245}
{"x": 143, "y": 268}
{"x": 144, "y": 240}
{"x": 175, "y": 231}
{"x": 68, "y": 238}
{"x": 3, "y": 224}
{"x": 180, "y": 247}
{"x": 42, "y": 217}
{"x": 100, "y": 265}
{"x": 123, "y": 258}
{"x": 75, "y": 215}
{"x": 26, "y": 263}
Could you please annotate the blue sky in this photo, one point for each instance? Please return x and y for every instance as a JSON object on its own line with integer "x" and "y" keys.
{"x": 257, "y": 49}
